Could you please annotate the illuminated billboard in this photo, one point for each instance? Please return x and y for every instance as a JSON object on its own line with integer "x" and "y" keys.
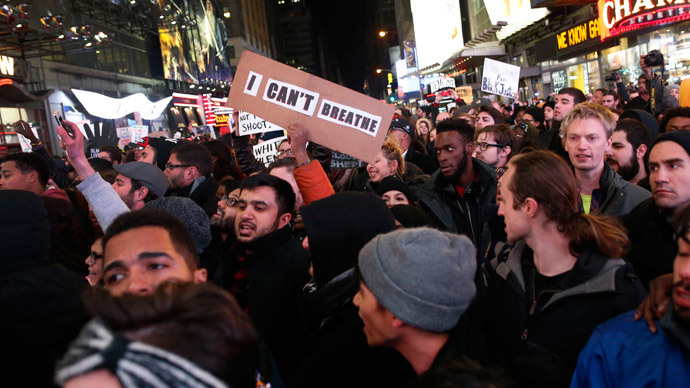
{"x": 517, "y": 13}
{"x": 617, "y": 17}
{"x": 197, "y": 51}
{"x": 408, "y": 84}
{"x": 437, "y": 29}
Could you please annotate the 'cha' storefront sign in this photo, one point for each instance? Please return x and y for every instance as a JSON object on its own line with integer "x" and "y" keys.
{"x": 619, "y": 16}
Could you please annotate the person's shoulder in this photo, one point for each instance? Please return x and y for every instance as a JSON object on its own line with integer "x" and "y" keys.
{"x": 624, "y": 329}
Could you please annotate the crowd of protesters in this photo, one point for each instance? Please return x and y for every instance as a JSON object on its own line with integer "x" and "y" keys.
{"x": 546, "y": 245}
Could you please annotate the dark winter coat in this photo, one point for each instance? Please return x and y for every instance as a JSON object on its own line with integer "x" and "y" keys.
{"x": 619, "y": 196}
{"x": 338, "y": 227}
{"x": 450, "y": 211}
{"x": 277, "y": 268}
{"x": 538, "y": 337}
{"x": 653, "y": 247}
{"x": 204, "y": 194}
{"x": 40, "y": 301}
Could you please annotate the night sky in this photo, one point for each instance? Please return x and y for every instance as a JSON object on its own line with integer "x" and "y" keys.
{"x": 344, "y": 23}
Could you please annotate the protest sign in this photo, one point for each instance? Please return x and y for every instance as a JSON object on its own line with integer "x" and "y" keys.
{"x": 267, "y": 152}
{"x": 131, "y": 134}
{"x": 336, "y": 117}
{"x": 465, "y": 92}
{"x": 500, "y": 78}
{"x": 26, "y": 143}
{"x": 250, "y": 123}
{"x": 340, "y": 161}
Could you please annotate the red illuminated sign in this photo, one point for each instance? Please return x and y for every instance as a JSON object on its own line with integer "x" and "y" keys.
{"x": 619, "y": 16}
{"x": 5, "y": 81}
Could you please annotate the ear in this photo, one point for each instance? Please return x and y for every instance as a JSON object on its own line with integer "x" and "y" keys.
{"x": 192, "y": 171}
{"x": 284, "y": 220}
{"x": 33, "y": 176}
{"x": 142, "y": 193}
{"x": 505, "y": 151}
{"x": 395, "y": 322}
{"x": 608, "y": 143}
{"x": 530, "y": 207}
{"x": 641, "y": 151}
{"x": 200, "y": 276}
{"x": 393, "y": 165}
{"x": 469, "y": 147}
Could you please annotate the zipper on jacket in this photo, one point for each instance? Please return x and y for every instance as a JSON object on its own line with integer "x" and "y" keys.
{"x": 533, "y": 307}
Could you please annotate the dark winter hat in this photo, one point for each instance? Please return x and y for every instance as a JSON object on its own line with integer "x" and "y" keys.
{"x": 145, "y": 173}
{"x": 192, "y": 216}
{"x": 404, "y": 126}
{"x": 338, "y": 226}
{"x": 422, "y": 276}
{"x": 682, "y": 138}
{"x": 550, "y": 104}
{"x": 536, "y": 112}
{"x": 410, "y": 216}
{"x": 393, "y": 183}
{"x": 645, "y": 118}
{"x": 481, "y": 101}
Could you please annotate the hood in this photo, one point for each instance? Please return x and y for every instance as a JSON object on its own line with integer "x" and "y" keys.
{"x": 339, "y": 226}
{"x": 24, "y": 230}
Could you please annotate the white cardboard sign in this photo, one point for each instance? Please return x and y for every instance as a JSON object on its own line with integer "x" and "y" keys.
{"x": 250, "y": 123}
{"x": 267, "y": 152}
{"x": 500, "y": 78}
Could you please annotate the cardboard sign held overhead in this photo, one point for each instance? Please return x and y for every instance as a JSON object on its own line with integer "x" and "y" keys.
{"x": 336, "y": 117}
{"x": 500, "y": 78}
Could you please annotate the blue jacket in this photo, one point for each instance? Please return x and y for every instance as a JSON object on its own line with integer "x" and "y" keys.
{"x": 623, "y": 352}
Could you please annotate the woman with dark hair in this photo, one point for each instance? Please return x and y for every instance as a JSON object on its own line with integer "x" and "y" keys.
{"x": 224, "y": 161}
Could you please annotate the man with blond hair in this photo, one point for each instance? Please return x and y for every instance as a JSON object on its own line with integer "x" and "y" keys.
{"x": 587, "y": 136}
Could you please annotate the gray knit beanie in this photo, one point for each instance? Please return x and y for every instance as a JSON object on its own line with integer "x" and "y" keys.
{"x": 422, "y": 276}
{"x": 192, "y": 216}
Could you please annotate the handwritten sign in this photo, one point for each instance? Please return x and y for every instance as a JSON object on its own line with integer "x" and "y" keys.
{"x": 250, "y": 123}
{"x": 336, "y": 117}
{"x": 267, "y": 152}
{"x": 465, "y": 92}
{"x": 500, "y": 78}
{"x": 131, "y": 134}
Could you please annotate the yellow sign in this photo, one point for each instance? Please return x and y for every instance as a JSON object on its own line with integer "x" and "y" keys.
{"x": 6, "y": 65}
{"x": 390, "y": 79}
{"x": 584, "y": 32}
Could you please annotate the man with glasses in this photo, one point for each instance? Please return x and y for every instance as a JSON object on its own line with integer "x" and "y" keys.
{"x": 189, "y": 175}
{"x": 494, "y": 145}
{"x": 285, "y": 150}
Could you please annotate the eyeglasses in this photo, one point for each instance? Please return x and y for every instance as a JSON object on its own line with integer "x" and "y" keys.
{"x": 96, "y": 256}
{"x": 171, "y": 166}
{"x": 484, "y": 146}
{"x": 230, "y": 201}
{"x": 285, "y": 152}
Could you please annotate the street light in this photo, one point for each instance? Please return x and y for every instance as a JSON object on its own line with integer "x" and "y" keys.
{"x": 382, "y": 33}
{"x": 379, "y": 71}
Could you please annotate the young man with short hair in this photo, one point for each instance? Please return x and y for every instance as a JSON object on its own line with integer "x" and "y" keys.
{"x": 630, "y": 141}
{"x": 487, "y": 115}
{"x": 675, "y": 119}
{"x": 415, "y": 284}
{"x": 586, "y": 133}
{"x": 28, "y": 171}
{"x": 457, "y": 195}
{"x": 267, "y": 268}
{"x": 494, "y": 145}
{"x": 650, "y": 224}
{"x": 189, "y": 175}
{"x": 610, "y": 100}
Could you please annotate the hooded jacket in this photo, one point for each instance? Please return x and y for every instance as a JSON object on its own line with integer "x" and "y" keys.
{"x": 537, "y": 336}
{"x": 40, "y": 301}
{"x": 338, "y": 227}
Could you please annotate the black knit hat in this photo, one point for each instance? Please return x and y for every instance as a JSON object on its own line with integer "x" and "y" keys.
{"x": 682, "y": 138}
{"x": 393, "y": 183}
{"x": 536, "y": 113}
{"x": 404, "y": 126}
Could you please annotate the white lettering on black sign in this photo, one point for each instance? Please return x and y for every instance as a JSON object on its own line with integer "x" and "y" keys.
{"x": 443, "y": 83}
{"x": 349, "y": 117}
{"x": 291, "y": 97}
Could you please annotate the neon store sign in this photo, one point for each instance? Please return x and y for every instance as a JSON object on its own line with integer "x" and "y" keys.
{"x": 620, "y": 16}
